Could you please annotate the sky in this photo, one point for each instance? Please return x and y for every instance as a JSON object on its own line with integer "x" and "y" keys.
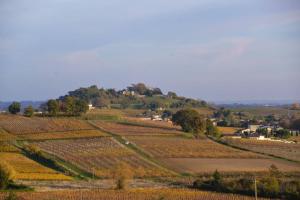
{"x": 216, "y": 50}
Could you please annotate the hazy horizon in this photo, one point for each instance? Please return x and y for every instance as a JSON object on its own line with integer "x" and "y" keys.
{"x": 211, "y": 50}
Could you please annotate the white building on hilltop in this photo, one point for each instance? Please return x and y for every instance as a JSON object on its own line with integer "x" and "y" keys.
{"x": 91, "y": 107}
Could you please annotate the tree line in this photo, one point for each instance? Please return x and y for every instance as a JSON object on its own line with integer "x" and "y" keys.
{"x": 69, "y": 106}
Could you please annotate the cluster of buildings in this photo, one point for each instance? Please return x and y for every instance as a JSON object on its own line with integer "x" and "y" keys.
{"x": 253, "y": 129}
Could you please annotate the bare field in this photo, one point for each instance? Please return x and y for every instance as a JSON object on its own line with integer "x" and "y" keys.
{"x": 63, "y": 135}
{"x": 208, "y": 165}
{"x": 136, "y": 194}
{"x": 152, "y": 123}
{"x": 285, "y": 150}
{"x": 228, "y": 130}
{"x": 126, "y": 130}
{"x": 27, "y": 169}
{"x": 100, "y": 156}
{"x": 24, "y": 125}
{"x": 179, "y": 147}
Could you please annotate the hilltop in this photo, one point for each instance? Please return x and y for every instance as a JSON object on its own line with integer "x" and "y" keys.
{"x": 136, "y": 96}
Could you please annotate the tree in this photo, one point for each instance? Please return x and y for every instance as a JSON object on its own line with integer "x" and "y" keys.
{"x": 190, "y": 121}
{"x": 102, "y": 102}
{"x": 172, "y": 95}
{"x": 81, "y": 106}
{"x": 121, "y": 174}
{"x": 167, "y": 114}
{"x": 217, "y": 178}
{"x": 140, "y": 88}
{"x": 53, "y": 107}
{"x": 211, "y": 129}
{"x": 154, "y": 105}
{"x": 6, "y": 175}
{"x": 283, "y": 133}
{"x": 28, "y": 112}
{"x": 269, "y": 185}
{"x": 262, "y": 131}
{"x": 69, "y": 105}
{"x": 296, "y": 124}
{"x": 14, "y": 108}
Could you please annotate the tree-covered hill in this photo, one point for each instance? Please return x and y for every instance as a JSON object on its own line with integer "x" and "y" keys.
{"x": 138, "y": 96}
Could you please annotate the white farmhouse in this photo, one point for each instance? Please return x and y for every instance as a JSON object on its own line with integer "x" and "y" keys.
{"x": 91, "y": 107}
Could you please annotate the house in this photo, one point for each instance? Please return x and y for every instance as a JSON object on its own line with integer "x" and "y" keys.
{"x": 253, "y": 128}
{"x": 214, "y": 121}
{"x": 156, "y": 118}
{"x": 128, "y": 93}
{"x": 91, "y": 107}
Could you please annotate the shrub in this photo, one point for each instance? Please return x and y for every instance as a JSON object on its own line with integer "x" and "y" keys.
{"x": 121, "y": 174}
{"x": 14, "y": 108}
{"x": 6, "y": 175}
{"x": 269, "y": 186}
{"x": 292, "y": 189}
{"x": 28, "y": 112}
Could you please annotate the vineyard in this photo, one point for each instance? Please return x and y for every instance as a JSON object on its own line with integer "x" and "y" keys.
{"x": 63, "y": 135}
{"x": 227, "y": 165}
{"x": 24, "y": 125}
{"x": 126, "y": 130}
{"x": 7, "y": 147}
{"x": 4, "y": 136}
{"x": 28, "y": 169}
{"x": 100, "y": 156}
{"x": 285, "y": 150}
{"x": 179, "y": 147}
{"x": 136, "y": 194}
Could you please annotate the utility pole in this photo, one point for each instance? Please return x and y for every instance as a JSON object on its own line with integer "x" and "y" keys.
{"x": 255, "y": 188}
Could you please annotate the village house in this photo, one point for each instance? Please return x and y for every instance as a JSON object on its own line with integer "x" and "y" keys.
{"x": 156, "y": 118}
{"x": 128, "y": 92}
{"x": 91, "y": 107}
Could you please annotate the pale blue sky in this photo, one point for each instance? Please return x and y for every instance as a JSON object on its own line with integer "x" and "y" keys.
{"x": 211, "y": 49}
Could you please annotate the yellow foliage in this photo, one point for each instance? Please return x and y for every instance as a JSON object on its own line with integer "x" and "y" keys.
{"x": 29, "y": 169}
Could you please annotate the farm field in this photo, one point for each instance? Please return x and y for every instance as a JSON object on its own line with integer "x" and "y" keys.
{"x": 179, "y": 147}
{"x": 228, "y": 130}
{"x": 285, "y": 150}
{"x": 136, "y": 194}
{"x": 6, "y": 147}
{"x": 152, "y": 123}
{"x": 127, "y": 130}
{"x": 23, "y": 125}
{"x": 4, "y": 136}
{"x": 27, "y": 169}
{"x": 209, "y": 165}
{"x": 100, "y": 156}
{"x": 295, "y": 138}
{"x": 63, "y": 135}
{"x": 103, "y": 114}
